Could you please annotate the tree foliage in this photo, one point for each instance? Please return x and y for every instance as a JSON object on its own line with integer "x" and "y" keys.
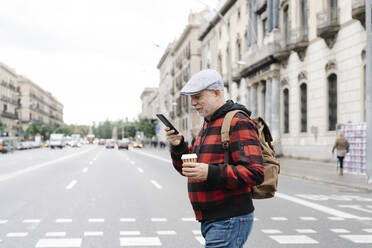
{"x": 147, "y": 127}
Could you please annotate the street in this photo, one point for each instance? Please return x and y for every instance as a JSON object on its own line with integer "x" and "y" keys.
{"x": 97, "y": 197}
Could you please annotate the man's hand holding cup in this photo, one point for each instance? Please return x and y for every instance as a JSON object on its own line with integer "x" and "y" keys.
{"x": 192, "y": 169}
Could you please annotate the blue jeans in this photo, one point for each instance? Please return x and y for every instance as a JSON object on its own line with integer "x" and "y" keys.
{"x": 229, "y": 233}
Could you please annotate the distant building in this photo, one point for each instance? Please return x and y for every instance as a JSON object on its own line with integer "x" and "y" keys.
{"x": 9, "y": 99}
{"x": 149, "y": 107}
{"x": 38, "y": 105}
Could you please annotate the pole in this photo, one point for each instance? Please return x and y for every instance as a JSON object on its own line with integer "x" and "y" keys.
{"x": 369, "y": 88}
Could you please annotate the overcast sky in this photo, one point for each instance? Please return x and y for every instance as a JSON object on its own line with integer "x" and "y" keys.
{"x": 94, "y": 56}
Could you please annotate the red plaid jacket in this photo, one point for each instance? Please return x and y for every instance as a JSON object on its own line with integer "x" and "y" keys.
{"x": 227, "y": 191}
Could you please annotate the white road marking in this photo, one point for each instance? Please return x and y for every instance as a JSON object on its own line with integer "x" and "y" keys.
{"x": 356, "y": 207}
{"x": 3, "y": 221}
{"x": 158, "y": 219}
{"x": 256, "y": 219}
{"x": 85, "y": 170}
{"x": 271, "y": 231}
{"x": 39, "y": 166}
{"x": 359, "y": 239}
{"x": 201, "y": 240}
{"x": 96, "y": 220}
{"x": 187, "y": 219}
{"x": 17, "y": 235}
{"x": 153, "y": 156}
{"x": 129, "y": 233}
{"x": 336, "y": 218}
{"x": 90, "y": 162}
{"x": 55, "y": 234}
{"x": 71, "y": 184}
{"x": 308, "y": 218}
{"x": 196, "y": 232}
{"x": 293, "y": 239}
{"x": 316, "y": 206}
{"x": 58, "y": 243}
{"x": 368, "y": 230}
{"x": 93, "y": 234}
{"x": 127, "y": 220}
{"x": 164, "y": 232}
{"x": 279, "y": 218}
{"x": 31, "y": 221}
{"x": 157, "y": 185}
{"x": 132, "y": 162}
{"x": 304, "y": 231}
{"x": 369, "y": 206}
{"x": 339, "y": 230}
{"x": 63, "y": 220}
{"x": 140, "y": 170}
{"x": 140, "y": 241}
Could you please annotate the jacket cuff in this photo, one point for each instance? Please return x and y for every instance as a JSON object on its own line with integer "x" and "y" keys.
{"x": 213, "y": 174}
{"x": 180, "y": 149}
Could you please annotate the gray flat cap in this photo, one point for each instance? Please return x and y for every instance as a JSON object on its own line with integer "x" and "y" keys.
{"x": 203, "y": 80}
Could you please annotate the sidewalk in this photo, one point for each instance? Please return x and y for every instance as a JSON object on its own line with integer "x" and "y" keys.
{"x": 306, "y": 169}
{"x": 322, "y": 172}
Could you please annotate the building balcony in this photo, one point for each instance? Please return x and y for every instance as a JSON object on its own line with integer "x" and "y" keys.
{"x": 9, "y": 115}
{"x": 299, "y": 41}
{"x": 358, "y": 11}
{"x": 328, "y": 25}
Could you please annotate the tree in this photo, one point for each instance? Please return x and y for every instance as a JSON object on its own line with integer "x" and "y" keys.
{"x": 147, "y": 127}
{"x": 2, "y": 126}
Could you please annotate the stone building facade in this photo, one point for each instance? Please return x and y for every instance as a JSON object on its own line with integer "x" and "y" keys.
{"x": 9, "y": 100}
{"x": 38, "y": 105}
{"x": 300, "y": 64}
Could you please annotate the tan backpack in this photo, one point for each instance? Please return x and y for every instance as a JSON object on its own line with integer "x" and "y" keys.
{"x": 269, "y": 186}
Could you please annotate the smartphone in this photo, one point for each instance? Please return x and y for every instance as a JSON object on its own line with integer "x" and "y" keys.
{"x": 166, "y": 122}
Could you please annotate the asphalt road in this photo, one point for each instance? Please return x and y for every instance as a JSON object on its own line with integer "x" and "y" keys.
{"x": 97, "y": 197}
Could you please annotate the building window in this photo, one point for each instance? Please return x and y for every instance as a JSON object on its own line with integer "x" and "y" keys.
{"x": 286, "y": 25}
{"x": 263, "y": 99}
{"x": 303, "y": 14}
{"x": 286, "y": 110}
{"x": 220, "y": 69}
{"x": 333, "y": 8}
{"x": 238, "y": 14}
{"x": 264, "y": 23}
{"x": 332, "y": 102}
{"x": 5, "y": 108}
{"x": 303, "y": 89}
{"x": 238, "y": 49}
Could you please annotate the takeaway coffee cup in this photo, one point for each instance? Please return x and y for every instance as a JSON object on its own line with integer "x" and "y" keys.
{"x": 189, "y": 158}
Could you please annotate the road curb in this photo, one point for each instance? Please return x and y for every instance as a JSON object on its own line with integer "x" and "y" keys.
{"x": 317, "y": 179}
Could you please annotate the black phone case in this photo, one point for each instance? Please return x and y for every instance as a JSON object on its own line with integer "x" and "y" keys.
{"x": 166, "y": 122}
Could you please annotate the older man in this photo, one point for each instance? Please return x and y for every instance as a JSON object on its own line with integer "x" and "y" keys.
{"x": 220, "y": 193}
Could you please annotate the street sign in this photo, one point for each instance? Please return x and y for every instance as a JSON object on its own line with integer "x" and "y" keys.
{"x": 157, "y": 128}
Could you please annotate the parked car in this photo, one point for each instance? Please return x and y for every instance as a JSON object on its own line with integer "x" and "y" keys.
{"x": 110, "y": 144}
{"x": 7, "y": 144}
{"x": 137, "y": 144}
{"x": 123, "y": 144}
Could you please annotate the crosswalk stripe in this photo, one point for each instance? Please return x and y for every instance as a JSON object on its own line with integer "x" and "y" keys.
{"x": 51, "y": 243}
{"x": 359, "y": 239}
{"x": 93, "y": 234}
{"x": 165, "y": 232}
{"x": 63, "y": 220}
{"x": 140, "y": 241}
{"x": 339, "y": 230}
{"x": 196, "y": 232}
{"x": 368, "y": 230}
{"x": 189, "y": 219}
{"x": 55, "y": 234}
{"x": 279, "y": 218}
{"x": 158, "y": 219}
{"x": 308, "y": 218}
{"x": 128, "y": 233}
{"x": 96, "y": 220}
{"x": 3, "y": 221}
{"x": 293, "y": 239}
{"x": 17, "y": 235}
{"x": 127, "y": 220}
{"x": 271, "y": 231}
{"x": 31, "y": 221}
{"x": 201, "y": 240}
{"x": 303, "y": 231}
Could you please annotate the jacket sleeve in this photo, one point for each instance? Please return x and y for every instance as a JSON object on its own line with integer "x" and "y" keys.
{"x": 246, "y": 163}
{"x": 176, "y": 154}
{"x": 334, "y": 146}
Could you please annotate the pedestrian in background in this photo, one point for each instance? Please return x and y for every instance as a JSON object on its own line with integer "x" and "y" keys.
{"x": 342, "y": 147}
{"x": 220, "y": 194}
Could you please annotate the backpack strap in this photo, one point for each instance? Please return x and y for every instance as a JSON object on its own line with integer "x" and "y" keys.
{"x": 225, "y": 132}
{"x": 261, "y": 124}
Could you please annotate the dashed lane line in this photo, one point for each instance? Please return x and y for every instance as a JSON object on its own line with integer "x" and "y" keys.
{"x": 153, "y": 156}
{"x": 63, "y": 220}
{"x": 140, "y": 170}
{"x": 293, "y": 239}
{"x": 305, "y": 231}
{"x": 71, "y": 184}
{"x": 129, "y": 233}
{"x": 166, "y": 232}
{"x": 158, "y": 219}
{"x": 96, "y": 220}
{"x": 85, "y": 170}
{"x": 156, "y": 184}
{"x": 359, "y": 239}
{"x": 127, "y": 220}
{"x": 93, "y": 234}
{"x": 3, "y": 221}
{"x": 31, "y": 221}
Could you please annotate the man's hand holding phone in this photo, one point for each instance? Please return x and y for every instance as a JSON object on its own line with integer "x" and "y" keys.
{"x": 173, "y": 139}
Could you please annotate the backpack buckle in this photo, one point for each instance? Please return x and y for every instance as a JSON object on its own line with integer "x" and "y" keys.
{"x": 225, "y": 145}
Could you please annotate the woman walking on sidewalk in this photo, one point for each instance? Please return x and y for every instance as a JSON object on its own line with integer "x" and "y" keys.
{"x": 342, "y": 147}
